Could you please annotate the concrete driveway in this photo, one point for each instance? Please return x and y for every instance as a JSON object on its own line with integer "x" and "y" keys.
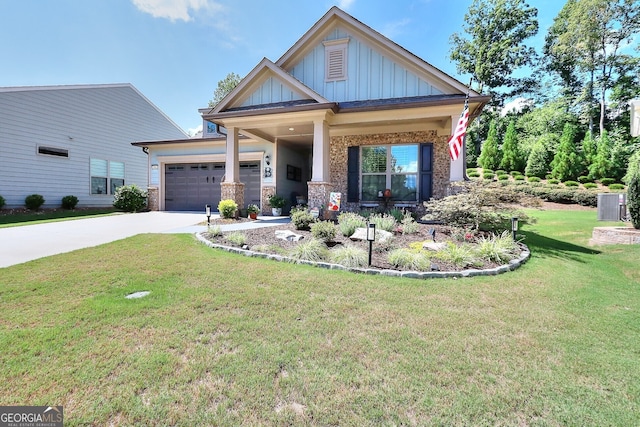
{"x": 29, "y": 242}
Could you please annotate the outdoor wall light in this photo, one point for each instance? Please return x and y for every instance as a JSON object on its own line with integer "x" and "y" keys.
{"x": 267, "y": 159}
{"x": 371, "y": 236}
{"x": 154, "y": 167}
{"x": 514, "y": 226}
{"x": 207, "y": 210}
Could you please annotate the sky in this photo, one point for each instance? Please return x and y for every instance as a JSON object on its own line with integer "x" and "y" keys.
{"x": 175, "y": 51}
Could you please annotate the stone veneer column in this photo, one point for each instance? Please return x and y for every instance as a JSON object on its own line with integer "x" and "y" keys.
{"x": 233, "y": 191}
{"x": 153, "y": 200}
{"x": 318, "y": 193}
{"x": 267, "y": 192}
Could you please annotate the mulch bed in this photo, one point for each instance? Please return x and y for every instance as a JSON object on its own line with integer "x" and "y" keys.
{"x": 265, "y": 238}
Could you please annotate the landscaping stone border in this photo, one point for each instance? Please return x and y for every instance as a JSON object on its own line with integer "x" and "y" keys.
{"x": 525, "y": 254}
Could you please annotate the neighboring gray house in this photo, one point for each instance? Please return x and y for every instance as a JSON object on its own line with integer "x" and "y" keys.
{"x": 75, "y": 140}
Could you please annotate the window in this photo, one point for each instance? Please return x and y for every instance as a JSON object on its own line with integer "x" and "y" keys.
{"x": 389, "y": 166}
{"x": 335, "y": 52}
{"x": 53, "y": 151}
{"x": 106, "y": 176}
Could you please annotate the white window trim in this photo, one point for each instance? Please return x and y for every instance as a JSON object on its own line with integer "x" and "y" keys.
{"x": 388, "y": 173}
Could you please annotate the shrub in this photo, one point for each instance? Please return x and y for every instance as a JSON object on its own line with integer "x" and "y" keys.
{"x": 473, "y": 174}
{"x": 383, "y": 222}
{"x": 214, "y": 231}
{"x": 501, "y": 172}
{"x": 130, "y": 198}
{"x": 236, "y": 238}
{"x": 583, "y": 179}
{"x": 2, "y": 202}
{"x": 407, "y": 259}
{"x": 227, "y": 208}
{"x": 487, "y": 175}
{"x": 497, "y": 248}
{"x": 553, "y": 181}
{"x": 488, "y": 171}
{"x": 458, "y": 255}
{"x": 503, "y": 177}
{"x": 302, "y": 219}
{"x": 515, "y": 173}
{"x": 311, "y": 250}
{"x": 471, "y": 170}
{"x": 476, "y": 207}
{"x": 585, "y": 198}
{"x": 607, "y": 181}
{"x": 349, "y": 256}
{"x": 616, "y": 186}
{"x": 571, "y": 184}
{"x": 589, "y": 185}
{"x": 518, "y": 177}
{"x": 409, "y": 225}
{"x": 533, "y": 179}
{"x": 397, "y": 214}
{"x": 34, "y": 201}
{"x": 323, "y": 230}
{"x": 69, "y": 202}
{"x": 348, "y": 222}
{"x": 633, "y": 202}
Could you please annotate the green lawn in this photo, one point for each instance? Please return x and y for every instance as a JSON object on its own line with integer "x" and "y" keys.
{"x": 37, "y": 217}
{"x": 229, "y": 340}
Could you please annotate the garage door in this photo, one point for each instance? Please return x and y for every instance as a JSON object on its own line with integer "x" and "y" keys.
{"x": 191, "y": 186}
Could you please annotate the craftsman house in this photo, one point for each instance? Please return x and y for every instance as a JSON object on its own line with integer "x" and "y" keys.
{"x": 343, "y": 110}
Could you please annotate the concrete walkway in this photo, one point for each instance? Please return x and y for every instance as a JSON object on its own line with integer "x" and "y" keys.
{"x": 29, "y": 242}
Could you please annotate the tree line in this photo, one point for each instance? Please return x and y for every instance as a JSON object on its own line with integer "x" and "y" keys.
{"x": 573, "y": 118}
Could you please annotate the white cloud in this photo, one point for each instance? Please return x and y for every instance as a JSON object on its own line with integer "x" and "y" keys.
{"x": 175, "y": 9}
{"x": 195, "y": 132}
{"x": 345, "y": 4}
{"x": 392, "y": 29}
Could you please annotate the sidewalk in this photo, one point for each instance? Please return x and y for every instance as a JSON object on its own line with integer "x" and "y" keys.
{"x": 29, "y": 242}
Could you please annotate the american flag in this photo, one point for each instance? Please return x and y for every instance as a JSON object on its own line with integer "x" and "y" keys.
{"x": 456, "y": 142}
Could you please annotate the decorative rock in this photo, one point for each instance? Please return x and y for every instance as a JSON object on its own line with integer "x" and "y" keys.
{"x": 433, "y": 246}
{"x": 361, "y": 234}
{"x": 435, "y": 267}
{"x": 288, "y": 235}
{"x": 138, "y": 295}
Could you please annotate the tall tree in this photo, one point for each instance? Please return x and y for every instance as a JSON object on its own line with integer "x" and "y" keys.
{"x": 225, "y": 86}
{"x": 494, "y": 45}
{"x": 592, "y": 34}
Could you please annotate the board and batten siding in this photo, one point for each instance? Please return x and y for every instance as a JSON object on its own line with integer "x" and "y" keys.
{"x": 94, "y": 121}
{"x": 272, "y": 91}
{"x": 370, "y": 74}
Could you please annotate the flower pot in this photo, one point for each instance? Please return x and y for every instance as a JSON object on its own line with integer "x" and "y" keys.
{"x": 253, "y": 215}
{"x": 276, "y": 211}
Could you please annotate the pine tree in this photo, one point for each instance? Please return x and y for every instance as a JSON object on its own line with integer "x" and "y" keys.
{"x": 538, "y": 161}
{"x": 566, "y": 164}
{"x": 490, "y": 155}
{"x": 601, "y": 164}
{"x": 510, "y": 150}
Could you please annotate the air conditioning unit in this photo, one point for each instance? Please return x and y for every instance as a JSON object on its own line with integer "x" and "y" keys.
{"x": 611, "y": 206}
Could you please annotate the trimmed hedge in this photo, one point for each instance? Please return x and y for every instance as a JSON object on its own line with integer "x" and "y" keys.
{"x": 616, "y": 186}
{"x": 607, "y": 181}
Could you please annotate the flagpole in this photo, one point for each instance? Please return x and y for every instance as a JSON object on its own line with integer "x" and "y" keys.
{"x": 465, "y": 177}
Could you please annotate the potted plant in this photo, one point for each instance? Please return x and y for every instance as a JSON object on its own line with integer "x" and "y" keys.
{"x": 253, "y": 211}
{"x": 277, "y": 203}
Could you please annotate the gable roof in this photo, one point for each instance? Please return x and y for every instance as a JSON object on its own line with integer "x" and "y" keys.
{"x": 337, "y": 17}
{"x": 260, "y": 74}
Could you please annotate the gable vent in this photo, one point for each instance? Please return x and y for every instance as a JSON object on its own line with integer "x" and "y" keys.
{"x": 336, "y": 59}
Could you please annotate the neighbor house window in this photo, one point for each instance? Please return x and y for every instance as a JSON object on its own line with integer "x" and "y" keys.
{"x": 106, "y": 176}
{"x": 393, "y": 167}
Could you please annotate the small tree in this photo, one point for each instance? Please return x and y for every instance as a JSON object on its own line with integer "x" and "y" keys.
{"x": 567, "y": 162}
{"x": 490, "y": 155}
{"x": 511, "y": 157}
{"x": 538, "y": 161}
{"x": 601, "y": 163}
{"x": 225, "y": 86}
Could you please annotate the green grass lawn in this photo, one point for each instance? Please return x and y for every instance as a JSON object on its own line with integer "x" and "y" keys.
{"x": 228, "y": 340}
{"x": 37, "y": 217}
